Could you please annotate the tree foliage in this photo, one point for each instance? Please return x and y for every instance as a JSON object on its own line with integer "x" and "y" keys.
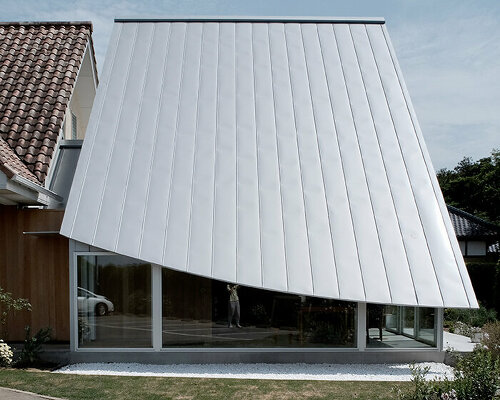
{"x": 474, "y": 186}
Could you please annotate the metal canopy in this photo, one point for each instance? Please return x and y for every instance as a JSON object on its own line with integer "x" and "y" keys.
{"x": 279, "y": 155}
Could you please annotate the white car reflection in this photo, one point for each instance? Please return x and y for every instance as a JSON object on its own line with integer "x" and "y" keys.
{"x": 89, "y": 303}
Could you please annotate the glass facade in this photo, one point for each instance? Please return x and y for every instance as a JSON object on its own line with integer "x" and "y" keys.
{"x": 400, "y": 327}
{"x": 200, "y": 312}
{"x": 113, "y": 301}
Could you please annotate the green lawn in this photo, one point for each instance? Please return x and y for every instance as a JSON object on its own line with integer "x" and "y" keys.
{"x": 80, "y": 387}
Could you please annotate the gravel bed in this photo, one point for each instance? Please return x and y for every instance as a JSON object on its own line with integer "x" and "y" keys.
{"x": 322, "y": 372}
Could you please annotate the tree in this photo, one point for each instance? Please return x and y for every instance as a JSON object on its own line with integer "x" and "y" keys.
{"x": 474, "y": 186}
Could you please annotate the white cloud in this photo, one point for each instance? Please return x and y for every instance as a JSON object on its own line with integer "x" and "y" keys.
{"x": 452, "y": 69}
{"x": 449, "y": 52}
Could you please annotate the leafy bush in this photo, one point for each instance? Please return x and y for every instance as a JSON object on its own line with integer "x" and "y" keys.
{"x": 5, "y": 354}
{"x": 476, "y": 377}
{"x": 32, "y": 346}
{"x": 463, "y": 329}
{"x": 8, "y": 304}
{"x": 421, "y": 388}
{"x": 491, "y": 338}
{"x": 471, "y": 317}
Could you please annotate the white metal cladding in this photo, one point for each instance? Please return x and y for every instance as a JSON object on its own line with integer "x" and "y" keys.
{"x": 280, "y": 155}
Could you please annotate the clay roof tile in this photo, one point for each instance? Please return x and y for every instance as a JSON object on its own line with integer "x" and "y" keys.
{"x": 38, "y": 67}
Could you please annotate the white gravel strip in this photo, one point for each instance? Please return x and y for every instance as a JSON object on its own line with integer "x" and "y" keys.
{"x": 320, "y": 372}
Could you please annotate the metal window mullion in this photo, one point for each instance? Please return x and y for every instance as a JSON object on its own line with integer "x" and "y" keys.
{"x": 156, "y": 307}
{"x": 361, "y": 326}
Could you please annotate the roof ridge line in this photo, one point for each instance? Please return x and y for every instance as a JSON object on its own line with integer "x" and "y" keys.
{"x": 475, "y": 218}
{"x": 44, "y": 23}
{"x": 262, "y": 19}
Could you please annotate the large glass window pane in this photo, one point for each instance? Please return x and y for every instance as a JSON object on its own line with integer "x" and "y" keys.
{"x": 113, "y": 301}
{"x": 427, "y": 325}
{"x": 400, "y": 327}
{"x": 200, "y": 312}
{"x": 409, "y": 321}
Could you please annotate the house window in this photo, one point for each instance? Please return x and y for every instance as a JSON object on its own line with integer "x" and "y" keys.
{"x": 113, "y": 302}
{"x": 74, "y": 126}
{"x": 400, "y": 327}
{"x": 198, "y": 312}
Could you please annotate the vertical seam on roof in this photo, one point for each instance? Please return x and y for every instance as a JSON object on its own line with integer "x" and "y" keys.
{"x": 101, "y": 106}
{"x": 172, "y": 162}
{"x": 215, "y": 148}
{"x": 340, "y": 155}
{"x": 139, "y": 112}
{"x": 155, "y": 134}
{"x": 362, "y": 158}
{"x": 338, "y": 147}
{"x": 120, "y": 109}
{"x": 415, "y": 126}
{"x": 299, "y": 158}
{"x": 257, "y": 153}
{"x": 190, "y": 222}
{"x": 236, "y": 236}
{"x": 409, "y": 179}
{"x": 340, "y": 152}
{"x": 277, "y": 155}
{"x": 320, "y": 156}
{"x": 382, "y": 156}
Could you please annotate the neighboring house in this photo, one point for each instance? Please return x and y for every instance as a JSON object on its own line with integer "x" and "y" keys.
{"x": 476, "y": 236}
{"x": 48, "y": 80}
{"x": 478, "y": 240}
{"x": 280, "y": 154}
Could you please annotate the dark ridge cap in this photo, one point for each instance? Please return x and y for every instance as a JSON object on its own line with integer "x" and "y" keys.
{"x": 46, "y": 23}
{"x": 475, "y": 219}
{"x": 263, "y": 19}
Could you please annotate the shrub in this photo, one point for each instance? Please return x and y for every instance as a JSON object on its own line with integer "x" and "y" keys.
{"x": 491, "y": 338}
{"x": 477, "y": 376}
{"x": 8, "y": 304}
{"x": 471, "y": 317}
{"x": 5, "y": 354}
{"x": 32, "y": 346}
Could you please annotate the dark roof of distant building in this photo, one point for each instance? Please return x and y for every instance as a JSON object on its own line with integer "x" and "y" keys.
{"x": 39, "y": 63}
{"x": 468, "y": 226}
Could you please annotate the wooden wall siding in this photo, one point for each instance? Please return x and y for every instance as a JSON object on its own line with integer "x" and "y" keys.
{"x": 35, "y": 267}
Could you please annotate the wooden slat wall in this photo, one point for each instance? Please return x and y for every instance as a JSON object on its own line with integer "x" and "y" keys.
{"x": 35, "y": 267}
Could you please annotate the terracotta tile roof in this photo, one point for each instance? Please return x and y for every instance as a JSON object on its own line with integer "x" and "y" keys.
{"x": 11, "y": 164}
{"x": 39, "y": 63}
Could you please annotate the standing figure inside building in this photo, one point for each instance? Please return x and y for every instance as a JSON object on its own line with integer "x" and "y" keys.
{"x": 233, "y": 309}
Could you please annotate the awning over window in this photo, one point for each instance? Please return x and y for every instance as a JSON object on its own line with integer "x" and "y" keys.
{"x": 279, "y": 154}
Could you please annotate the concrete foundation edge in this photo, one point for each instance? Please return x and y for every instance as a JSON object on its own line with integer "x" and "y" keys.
{"x": 231, "y": 357}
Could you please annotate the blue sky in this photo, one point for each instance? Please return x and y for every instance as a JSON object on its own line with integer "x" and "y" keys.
{"x": 449, "y": 52}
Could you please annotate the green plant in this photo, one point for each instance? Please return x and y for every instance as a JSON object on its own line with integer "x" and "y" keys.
{"x": 421, "y": 389}
{"x": 471, "y": 317}
{"x": 8, "y": 304}
{"x": 32, "y": 346}
{"x": 477, "y": 376}
{"x": 491, "y": 338}
{"x": 5, "y": 354}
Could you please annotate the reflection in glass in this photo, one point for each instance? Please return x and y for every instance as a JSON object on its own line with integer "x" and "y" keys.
{"x": 400, "y": 327}
{"x": 196, "y": 314}
{"x": 408, "y": 320}
{"x": 426, "y": 328}
{"x": 113, "y": 301}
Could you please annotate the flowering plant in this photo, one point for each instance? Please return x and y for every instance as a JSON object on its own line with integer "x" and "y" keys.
{"x": 6, "y": 354}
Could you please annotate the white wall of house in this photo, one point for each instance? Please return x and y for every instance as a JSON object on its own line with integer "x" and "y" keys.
{"x": 473, "y": 248}
{"x": 81, "y": 100}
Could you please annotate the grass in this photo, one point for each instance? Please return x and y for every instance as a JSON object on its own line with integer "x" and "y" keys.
{"x": 87, "y": 387}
